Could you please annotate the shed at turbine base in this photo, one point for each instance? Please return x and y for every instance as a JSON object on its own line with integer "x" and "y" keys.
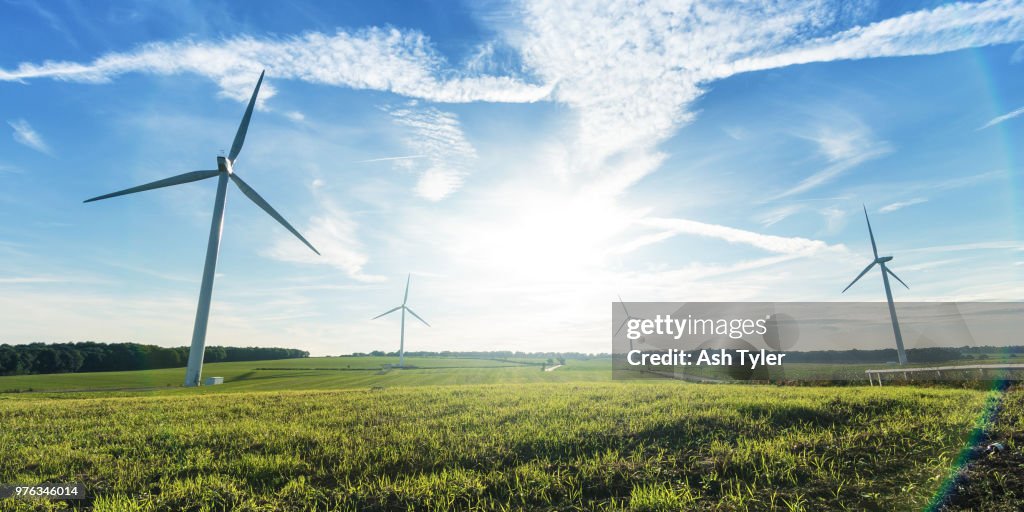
{"x": 213, "y": 381}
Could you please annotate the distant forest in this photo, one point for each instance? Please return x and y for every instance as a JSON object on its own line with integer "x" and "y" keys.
{"x": 89, "y": 356}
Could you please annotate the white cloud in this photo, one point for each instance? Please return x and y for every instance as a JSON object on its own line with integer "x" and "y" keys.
{"x": 25, "y": 134}
{"x": 629, "y": 72}
{"x": 295, "y": 115}
{"x": 891, "y": 207}
{"x": 438, "y": 137}
{"x": 999, "y": 119}
{"x": 391, "y": 159}
{"x": 777, "y": 215}
{"x": 333, "y": 233}
{"x": 387, "y": 59}
{"x": 926, "y": 32}
{"x": 770, "y": 243}
{"x": 1002, "y": 245}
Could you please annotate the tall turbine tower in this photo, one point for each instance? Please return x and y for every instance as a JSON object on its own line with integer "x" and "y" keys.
{"x": 881, "y": 261}
{"x": 404, "y": 308}
{"x": 224, "y": 172}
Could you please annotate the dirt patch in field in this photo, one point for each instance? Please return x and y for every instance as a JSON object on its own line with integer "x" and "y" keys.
{"x": 992, "y": 476}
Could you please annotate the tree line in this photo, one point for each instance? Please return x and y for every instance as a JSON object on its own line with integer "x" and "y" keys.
{"x": 90, "y": 356}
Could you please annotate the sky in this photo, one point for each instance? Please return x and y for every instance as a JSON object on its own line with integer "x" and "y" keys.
{"x": 527, "y": 162}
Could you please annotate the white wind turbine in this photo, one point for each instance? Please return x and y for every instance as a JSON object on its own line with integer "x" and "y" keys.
{"x": 224, "y": 172}
{"x": 881, "y": 261}
{"x": 404, "y": 308}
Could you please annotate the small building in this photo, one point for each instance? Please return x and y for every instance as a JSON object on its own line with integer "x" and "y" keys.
{"x": 213, "y": 381}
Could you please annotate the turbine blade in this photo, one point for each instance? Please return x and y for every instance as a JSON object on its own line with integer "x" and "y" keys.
{"x": 865, "y": 271}
{"x": 188, "y": 177}
{"x": 413, "y": 313}
{"x": 262, "y": 203}
{"x": 406, "y": 298}
{"x": 874, "y": 248}
{"x": 623, "y": 305}
{"x": 236, "y": 146}
{"x": 624, "y": 322}
{"x": 891, "y": 273}
{"x": 387, "y": 312}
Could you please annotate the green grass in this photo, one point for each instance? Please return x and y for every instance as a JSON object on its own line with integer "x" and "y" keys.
{"x": 842, "y": 372}
{"x": 474, "y": 434}
{"x": 317, "y": 373}
{"x": 536, "y": 446}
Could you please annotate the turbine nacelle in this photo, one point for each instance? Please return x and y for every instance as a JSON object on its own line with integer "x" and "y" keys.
{"x": 883, "y": 259}
{"x": 224, "y": 165}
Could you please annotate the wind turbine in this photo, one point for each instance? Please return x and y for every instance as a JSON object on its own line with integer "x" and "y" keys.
{"x": 404, "y": 308}
{"x": 626, "y": 321}
{"x": 224, "y": 172}
{"x": 881, "y": 261}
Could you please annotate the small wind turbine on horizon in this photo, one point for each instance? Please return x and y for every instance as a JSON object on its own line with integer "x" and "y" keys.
{"x": 881, "y": 261}
{"x": 224, "y": 172}
{"x": 404, "y": 308}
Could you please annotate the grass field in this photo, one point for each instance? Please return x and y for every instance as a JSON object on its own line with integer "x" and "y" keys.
{"x": 318, "y": 373}
{"x": 476, "y": 435}
{"x": 847, "y": 372}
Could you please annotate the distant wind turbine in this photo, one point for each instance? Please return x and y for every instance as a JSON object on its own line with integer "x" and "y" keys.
{"x": 881, "y": 261}
{"x": 224, "y": 171}
{"x": 404, "y": 308}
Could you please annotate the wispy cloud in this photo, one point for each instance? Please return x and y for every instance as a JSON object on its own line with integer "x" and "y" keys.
{"x": 776, "y": 215}
{"x": 390, "y": 159}
{"x": 25, "y": 134}
{"x": 1000, "y": 245}
{"x": 48, "y": 16}
{"x": 387, "y": 59}
{"x": 4, "y": 168}
{"x": 999, "y": 119}
{"x": 925, "y": 32}
{"x": 663, "y": 56}
{"x": 770, "y": 243}
{"x": 835, "y": 218}
{"x": 333, "y": 232}
{"x": 844, "y": 149}
{"x": 437, "y": 136}
{"x": 898, "y": 205}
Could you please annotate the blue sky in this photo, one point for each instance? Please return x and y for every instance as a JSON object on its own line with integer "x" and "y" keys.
{"x": 525, "y": 161}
